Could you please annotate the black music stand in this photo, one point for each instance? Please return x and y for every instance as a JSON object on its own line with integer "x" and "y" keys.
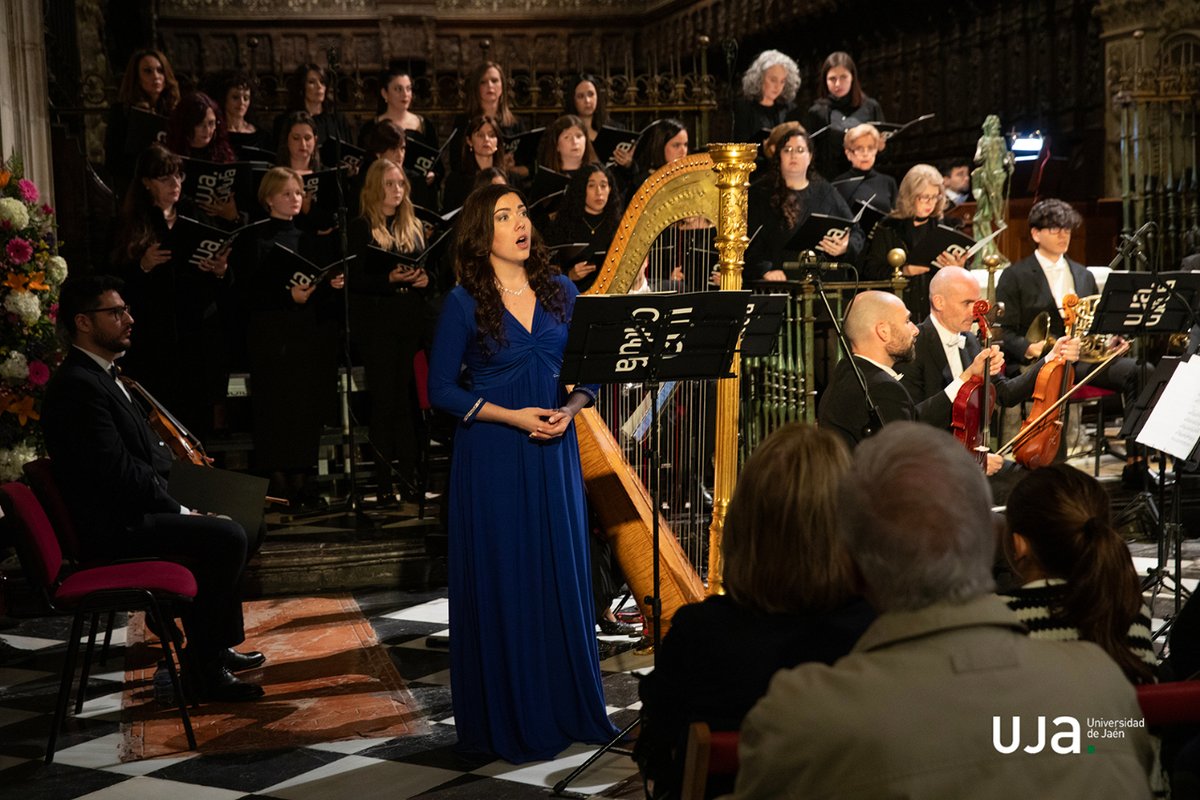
{"x": 649, "y": 338}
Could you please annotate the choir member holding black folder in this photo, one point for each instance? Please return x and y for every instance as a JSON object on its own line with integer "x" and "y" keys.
{"x": 916, "y": 226}
{"x": 292, "y": 322}
{"x": 478, "y": 150}
{"x": 148, "y": 93}
{"x": 396, "y": 92}
{"x": 233, "y": 91}
{"x": 588, "y": 216}
{"x": 388, "y": 287}
{"x": 175, "y": 292}
{"x": 299, "y": 151}
{"x": 308, "y": 91}
{"x": 862, "y": 181}
{"x": 796, "y": 210}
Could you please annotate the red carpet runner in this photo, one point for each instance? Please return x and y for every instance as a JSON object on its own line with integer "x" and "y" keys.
{"x": 327, "y": 678}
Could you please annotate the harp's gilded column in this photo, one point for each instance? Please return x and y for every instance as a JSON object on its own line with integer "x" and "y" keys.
{"x": 733, "y": 164}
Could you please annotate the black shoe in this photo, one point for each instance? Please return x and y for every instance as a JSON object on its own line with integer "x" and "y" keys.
{"x": 234, "y": 661}
{"x": 222, "y": 686}
{"x": 611, "y": 627}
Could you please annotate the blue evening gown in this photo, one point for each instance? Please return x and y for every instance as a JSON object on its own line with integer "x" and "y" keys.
{"x": 524, "y": 667}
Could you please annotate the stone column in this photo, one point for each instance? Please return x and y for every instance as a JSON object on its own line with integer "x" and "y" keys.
{"x": 24, "y": 105}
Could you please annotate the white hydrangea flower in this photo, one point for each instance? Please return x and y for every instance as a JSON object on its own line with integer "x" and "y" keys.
{"x": 56, "y": 269}
{"x": 12, "y": 460}
{"x": 13, "y": 211}
{"x": 15, "y": 367}
{"x": 25, "y": 305}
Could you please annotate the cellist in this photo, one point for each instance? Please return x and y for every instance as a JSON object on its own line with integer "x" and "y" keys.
{"x": 1039, "y": 283}
{"x": 944, "y": 348}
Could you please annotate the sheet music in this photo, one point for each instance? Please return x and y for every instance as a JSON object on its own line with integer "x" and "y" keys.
{"x": 1174, "y": 424}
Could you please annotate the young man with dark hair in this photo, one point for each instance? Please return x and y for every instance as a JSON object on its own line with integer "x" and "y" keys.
{"x": 112, "y": 470}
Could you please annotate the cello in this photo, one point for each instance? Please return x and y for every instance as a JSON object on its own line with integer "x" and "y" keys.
{"x": 976, "y": 399}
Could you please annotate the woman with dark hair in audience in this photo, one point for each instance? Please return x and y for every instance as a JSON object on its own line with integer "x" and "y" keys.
{"x": 518, "y": 527}
{"x": 387, "y": 310}
{"x": 789, "y": 598}
{"x": 308, "y": 90}
{"x": 478, "y": 151}
{"x": 1078, "y": 579}
{"x": 590, "y": 212}
{"x": 178, "y": 353}
{"x": 780, "y": 205}
{"x": 768, "y": 90}
{"x": 148, "y": 84}
{"x": 920, "y": 203}
{"x": 396, "y": 92}
{"x": 862, "y": 181}
{"x": 291, "y": 340}
{"x": 196, "y": 129}
{"x": 840, "y": 106}
{"x": 233, "y": 91}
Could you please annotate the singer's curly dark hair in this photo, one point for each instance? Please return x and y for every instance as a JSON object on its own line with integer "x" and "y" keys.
{"x": 473, "y": 266}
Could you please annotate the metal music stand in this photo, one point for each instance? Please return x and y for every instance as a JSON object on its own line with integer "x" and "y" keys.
{"x": 1138, "y": 303}
{"x": 650, "y": 338}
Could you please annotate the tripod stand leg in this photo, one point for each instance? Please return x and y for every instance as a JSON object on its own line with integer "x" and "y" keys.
{"x": 610, "y": 745}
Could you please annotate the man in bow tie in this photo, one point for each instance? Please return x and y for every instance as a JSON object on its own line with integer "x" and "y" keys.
{"x": 882, "y": 336}
{"x": 112, "y": 471}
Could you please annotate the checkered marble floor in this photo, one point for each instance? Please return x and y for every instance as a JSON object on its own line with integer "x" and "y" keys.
{"x": 427, "y": 766}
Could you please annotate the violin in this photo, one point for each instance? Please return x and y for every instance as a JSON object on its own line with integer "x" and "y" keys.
{"x": 976, "y": 400}
{"x": 183, "y": 443}
{"x": 1055, "y": 380}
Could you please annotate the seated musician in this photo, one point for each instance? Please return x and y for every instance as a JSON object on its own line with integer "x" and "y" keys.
{"x": 790, "y": 599}
{"x": 1038, "y": 283}
{"x": 112, "y": 470}
{"x": 944, "y": 347}
{"x": 882, "y": 335}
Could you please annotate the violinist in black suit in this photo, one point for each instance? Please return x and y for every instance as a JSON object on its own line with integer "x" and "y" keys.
{"x": 112, "y": 470}
{"x": 1039, "y": 283}
{"x": 882, "y": 335}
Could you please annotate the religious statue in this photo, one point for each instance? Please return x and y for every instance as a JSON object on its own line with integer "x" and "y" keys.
{"x": 989, "y": 184}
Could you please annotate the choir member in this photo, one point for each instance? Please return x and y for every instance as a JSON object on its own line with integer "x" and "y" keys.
{"x": 768, "y": 94}
{"x": 308, "y": 91}
{"x": 862, "y": 181}
{"x": 565, "y": 146}
{"x": 148, "y": 84}
{"x": 840, "y": 106}
{"x": 396, "y": 91}
{"x": 233, "y": 91}
{"x": 478, "y": 151}
{"x": 590, "y": 212}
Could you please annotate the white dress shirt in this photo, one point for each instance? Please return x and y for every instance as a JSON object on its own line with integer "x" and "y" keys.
{"x": 1058, "y": 275}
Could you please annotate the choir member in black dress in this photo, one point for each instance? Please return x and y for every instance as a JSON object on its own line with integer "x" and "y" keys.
{"x": 489, "y": 98}
{"x": 299, "y": 150}
{"x": 196, "y": 129}
{"x": 478, "y": 151}
{"x": 387, "y": 310}
{"x": 862, "y": 181}
{"x": 790, "y": 598}
{"x": 396, "y": 92}
{"x": 920, "y": 203}
{"x": 308, "y": 91}
{"x": 590, "y": 212}
{"x": 768, "y": 90}
{"x": 233, "y": 92}
{"x": 585, "y": 99}
{"x": 149, "y": 84}
{"x": 779, "y": 206}
{"x": 662, "y": 142}
{"x": 840, "y": 106}
{"x": 177, "y": 354}
{"x": 565, "y": 147}
{"x": 291, "y": 340}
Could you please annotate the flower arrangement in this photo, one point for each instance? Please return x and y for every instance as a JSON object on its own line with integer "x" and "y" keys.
{"x": 30, "y": 273}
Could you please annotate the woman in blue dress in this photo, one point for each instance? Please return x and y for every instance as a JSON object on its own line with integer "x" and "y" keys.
{"x": 524, "y": 668}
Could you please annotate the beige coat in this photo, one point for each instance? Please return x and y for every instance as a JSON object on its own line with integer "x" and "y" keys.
{"x": 909, "y": 714}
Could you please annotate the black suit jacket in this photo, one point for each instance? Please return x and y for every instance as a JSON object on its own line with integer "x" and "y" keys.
{"x": 928, "y": 373}
{"x": 1025, "y": 292}
{"x": 111, "y": 468}
{"x": 843, "y": 409}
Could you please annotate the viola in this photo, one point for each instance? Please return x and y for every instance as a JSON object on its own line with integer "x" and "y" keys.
{"x": 183, "y": 443}
{"x": 976, "y": 399}
{"x": 1041, "y": 433}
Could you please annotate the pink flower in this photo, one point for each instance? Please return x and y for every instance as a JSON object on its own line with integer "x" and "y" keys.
{"x": 52, "y": 312}
{"x": 39, "y": 373}
{"x": 19, "y": 251}
{"x": 28, "y": 190}
{"x": 47, "y": 210}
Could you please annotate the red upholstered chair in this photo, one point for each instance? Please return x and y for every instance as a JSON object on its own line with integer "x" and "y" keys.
{"x": 1095, "y": 397}
{"x": 139, "y": 585}
{"x": 709, "y": 753}
{"x": 1175, "y": 703}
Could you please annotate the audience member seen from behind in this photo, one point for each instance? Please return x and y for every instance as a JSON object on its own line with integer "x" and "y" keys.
{"x": 914, "y": 709}
{"x": 1077, "y": 577}
{"x": 789, "y": 598}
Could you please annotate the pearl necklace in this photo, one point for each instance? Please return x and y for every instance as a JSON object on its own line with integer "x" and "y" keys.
{"x": 513, "y": 292}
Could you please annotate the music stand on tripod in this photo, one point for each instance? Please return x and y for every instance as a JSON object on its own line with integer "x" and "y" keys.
{"x": 1138, "y": 303}
{"x": 650, "y": 338}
